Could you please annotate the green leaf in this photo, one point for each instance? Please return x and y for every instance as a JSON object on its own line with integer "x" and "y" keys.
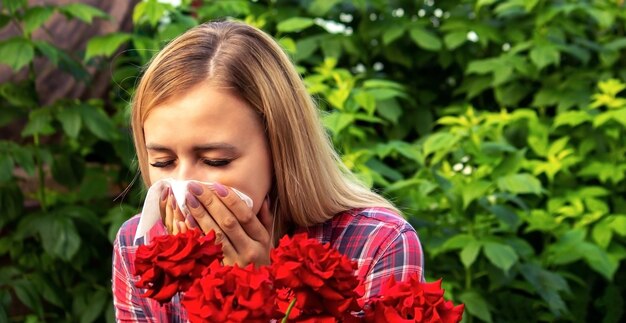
{"x": 482, "y": 3}
{"x": 500, "y": 255}
{"x": 82, "y": 12}
{"x": 392, "y": 33}
{"x": 20, "y": 94}
{"x": 482, "y": 66}
{"x": 14, "y": 5}
{"x": 40, "y": 122}
{"x": 457, "y": 241}
{"x": 439, "y": 141}
{"x": 93, "y": 306}
{"x": 455, "y": 39}
{"x": 27, "y": 294}
{"x": 12, "y": 201}
{"x": 48, "y": 50}
{"x": 151, "y": 11}
{"x": 389, "y": 109}
{"x": 105, "y": 45}
{"x": 294, "y": 24}
{"x": 568, "y": 248}
{"x": 48, "y": 289}
{"x": 367, "y": 101}
{"x": 616, "y": 44}
{"x": 425, "y": 38}
{"x": 520, "y": 184}
{"x": 605, "y": 18}
{"x": 337, "y": 121}
{"x": 35, "y": 17}
{"x": 619, "y": 224}
{"x": 599, "y": 260}
{"x": 571, "y": 118}
{"x": 474, "y": 190}
{"x": 469, "y": 253}
{"x": 98, "y": 122}
{"x": 505, "y": 215}
{"x": 6, "y": 168}
{"x": 476, "y": 305}
{"x": 68, "y": 170}
{"x": 4, "y": 20}
{"x": 23, "y": 156}
{"x": 384, "y": 170}
{"x": 319, "y": 8}
{"x": 288, "y": 44}
{"x": 602, "y": 232}
{"x": 548, "y": 285}
{"x": 58, "y": 236}
{"x": 70, "y": 120}
{"x": 545, "y": 54}
{"x": 16, "y": 52}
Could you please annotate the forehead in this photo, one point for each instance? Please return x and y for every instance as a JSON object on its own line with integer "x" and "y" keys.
{"x": 202, "y": 113}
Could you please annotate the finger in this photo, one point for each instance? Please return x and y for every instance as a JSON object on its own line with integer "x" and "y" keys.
{"x": 225, "y": 219}
{"x": 243, "y": 215}
{"x": 178, "y": 213}
{"x": 198, "y": 210}
{"x": 182, "y": 227}
{"x": 266, "y": 217}
{"x": 169, "y": 212}
{"x": 175, "y": 227}
{"x": 163, "y": 203}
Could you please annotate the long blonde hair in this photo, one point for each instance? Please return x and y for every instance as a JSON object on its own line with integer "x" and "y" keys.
{"x": 310, "y": 182}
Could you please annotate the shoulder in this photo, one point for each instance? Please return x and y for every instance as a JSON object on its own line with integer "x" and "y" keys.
{"x": 367, "y": 231}
{"x": 126, "y": 233}
{"x": 381, "y": 219}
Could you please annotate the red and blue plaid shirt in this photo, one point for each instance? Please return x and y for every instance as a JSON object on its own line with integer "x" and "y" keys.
{"x": 379, "y": 240}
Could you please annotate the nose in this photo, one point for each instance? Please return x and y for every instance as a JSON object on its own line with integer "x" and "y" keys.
{"x": 191, "y": 169}
{"x": 188, "y": 170}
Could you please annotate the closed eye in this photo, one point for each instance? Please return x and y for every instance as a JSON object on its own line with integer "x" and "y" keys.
{"x": 216, "y": 162}
{"x": 162, "y": 164}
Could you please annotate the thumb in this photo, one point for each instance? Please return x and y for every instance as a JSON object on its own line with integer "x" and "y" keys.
{"x": 266, "y": 217}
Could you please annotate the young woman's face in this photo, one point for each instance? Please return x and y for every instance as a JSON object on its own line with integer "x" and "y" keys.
{"x": 208, "y": 134}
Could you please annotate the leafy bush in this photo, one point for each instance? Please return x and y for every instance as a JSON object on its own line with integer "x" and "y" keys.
{"x": 497, "y": 126}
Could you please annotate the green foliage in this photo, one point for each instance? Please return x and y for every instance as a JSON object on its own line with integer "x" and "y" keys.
{"x": 497, "y": 126}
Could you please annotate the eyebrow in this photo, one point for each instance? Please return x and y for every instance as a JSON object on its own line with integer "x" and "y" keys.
{"x": 197, "y": 148}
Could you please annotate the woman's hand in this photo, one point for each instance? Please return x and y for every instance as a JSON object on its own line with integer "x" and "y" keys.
{"x": 245, "y": 238}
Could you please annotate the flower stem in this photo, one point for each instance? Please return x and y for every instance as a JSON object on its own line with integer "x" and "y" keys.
{"x": 293, "y": 302}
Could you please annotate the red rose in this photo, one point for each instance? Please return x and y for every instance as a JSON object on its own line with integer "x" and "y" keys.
{"x": 231, "y": 294}
{"x": 171, "y": 263}
{"x": 321, "y": 279}
{"x": 412, "y": 301}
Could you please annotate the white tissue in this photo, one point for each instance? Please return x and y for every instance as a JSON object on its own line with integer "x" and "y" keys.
{"x": 150, "y": 213}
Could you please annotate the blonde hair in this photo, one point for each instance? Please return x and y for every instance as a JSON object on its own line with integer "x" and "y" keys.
{"x": 310, "y": 182}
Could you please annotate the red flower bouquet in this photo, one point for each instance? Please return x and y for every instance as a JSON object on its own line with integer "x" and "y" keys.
{"x": 231, "y": 294}
{"x": 306, "y": 282}
{"x": 319, "y": 277}
{"x": 171, "y": 263}
{"x": 413, "y": 301}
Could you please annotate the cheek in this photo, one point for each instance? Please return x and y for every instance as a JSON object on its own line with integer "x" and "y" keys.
{"x": 255, "y": 181}
{"x": 155, "y": 175}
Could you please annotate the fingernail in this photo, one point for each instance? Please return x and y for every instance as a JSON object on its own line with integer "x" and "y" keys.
{"x": 192, "y": 222}
{"x": 220, "y": 189}
{"x": 173, "y": 199}
{"x": 164, "y": 194}
{"x": 195, "y": 188}
{"x": 191, "y": 200}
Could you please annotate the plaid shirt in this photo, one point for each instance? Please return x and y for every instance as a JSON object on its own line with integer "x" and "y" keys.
{"x": 382, "y": 243}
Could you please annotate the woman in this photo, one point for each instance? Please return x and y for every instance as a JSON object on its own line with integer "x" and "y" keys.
{"x": 222, "y": 103}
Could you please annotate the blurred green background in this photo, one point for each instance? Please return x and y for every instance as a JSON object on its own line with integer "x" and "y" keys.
{"x": 498, "y": 127}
